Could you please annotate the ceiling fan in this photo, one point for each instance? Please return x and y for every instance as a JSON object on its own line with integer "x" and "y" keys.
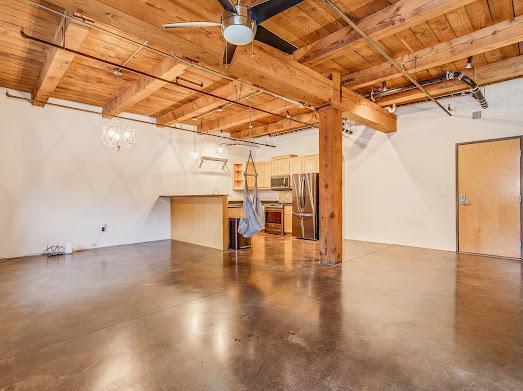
{"x": 241, "y": 25}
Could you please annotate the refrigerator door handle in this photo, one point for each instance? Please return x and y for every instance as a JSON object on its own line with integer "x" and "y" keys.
{"x": 302, "y": 193}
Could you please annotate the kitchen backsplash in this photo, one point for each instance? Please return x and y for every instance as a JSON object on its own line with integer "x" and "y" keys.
{"x": 285, "y": 197}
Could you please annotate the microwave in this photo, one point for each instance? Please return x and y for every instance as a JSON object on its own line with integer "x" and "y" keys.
{"x": 281, "y": 182}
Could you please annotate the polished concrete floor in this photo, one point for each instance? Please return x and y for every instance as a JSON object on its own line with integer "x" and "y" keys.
{"x": 172, "y": 316}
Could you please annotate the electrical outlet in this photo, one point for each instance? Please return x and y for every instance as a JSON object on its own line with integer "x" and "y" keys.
{"x": 104, "y": 227}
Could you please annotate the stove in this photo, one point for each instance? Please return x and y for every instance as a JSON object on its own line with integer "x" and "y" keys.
{"x": 274, "y": 218}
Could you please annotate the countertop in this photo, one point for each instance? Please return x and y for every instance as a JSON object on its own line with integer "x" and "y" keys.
{"x": 239, "y": 204}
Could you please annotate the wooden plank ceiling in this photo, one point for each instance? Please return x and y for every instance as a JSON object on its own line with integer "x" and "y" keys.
{"x": 429, "y": 37}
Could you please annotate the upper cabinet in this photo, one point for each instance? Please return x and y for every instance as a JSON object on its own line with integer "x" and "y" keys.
{"x": 296, "y": 165}
{"x": 280, "y": 167}
{"x": 264, "y": 175}
{"x": 310, "y": 163}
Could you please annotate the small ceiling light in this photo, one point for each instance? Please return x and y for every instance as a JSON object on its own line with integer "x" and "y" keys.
{"x": 469, "y": 63}
{"x": 195, "y": 118}
{"x": 220, "y": 110}
{"x": 384, "y": 87}
{"x": 118, "y": 135}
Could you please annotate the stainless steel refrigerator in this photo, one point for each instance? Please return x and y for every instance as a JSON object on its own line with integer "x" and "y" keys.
{"x": 305, "y": 200}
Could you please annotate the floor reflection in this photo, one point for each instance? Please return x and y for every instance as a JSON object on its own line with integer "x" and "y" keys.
{"x": 169, "y": 315}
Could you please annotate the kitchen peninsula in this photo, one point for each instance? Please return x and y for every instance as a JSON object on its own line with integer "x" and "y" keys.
{"x": 200, "y": 219}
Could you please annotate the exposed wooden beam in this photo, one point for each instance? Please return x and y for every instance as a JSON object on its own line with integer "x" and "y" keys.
{"x": 144, "y": 86}
{"x": 488, "y": 38}
{"x": 331, "y": 188}
{"x": 358, "y": 109}
{"x": 57, "y": 62}
{"x": 382, "y": 24}
{"x": 280, "y": 126}
{"x": 268, "y": 69}
{"x": 484, "y": 74}
{"x": 246, "y": 116}
{"x": 201, "y": 105}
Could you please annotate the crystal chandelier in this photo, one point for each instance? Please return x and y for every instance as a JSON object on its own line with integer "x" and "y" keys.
{"x": 118, "y": 135}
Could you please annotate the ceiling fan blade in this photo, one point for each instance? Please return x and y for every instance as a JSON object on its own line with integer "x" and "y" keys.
{"x": 271, "y": 39}
{"x": 228, "y": 53}
{"x": 189, "y": 25}
{"x": 227, "y": 5}
{"x": 268, "y": 9}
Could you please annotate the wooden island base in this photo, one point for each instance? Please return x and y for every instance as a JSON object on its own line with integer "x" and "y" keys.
{"x": 200, "y": 219}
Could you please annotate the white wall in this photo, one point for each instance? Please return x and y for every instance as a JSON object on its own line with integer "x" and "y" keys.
{"x": 400, "y": 188}
{"x": 58, "y": 183}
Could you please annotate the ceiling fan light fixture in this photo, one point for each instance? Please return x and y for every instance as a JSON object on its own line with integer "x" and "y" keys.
{"x": 238, "y": 28}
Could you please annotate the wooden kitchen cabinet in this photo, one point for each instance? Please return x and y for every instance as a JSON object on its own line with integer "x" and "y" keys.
{"x": 280, "y": 167}
{"x": 238, "y": 182}
{"x": 264, "y": 174}
{"x": 287, "y": 219}
{"x": 310, "y": 164}
{"x": 296, "y": 165}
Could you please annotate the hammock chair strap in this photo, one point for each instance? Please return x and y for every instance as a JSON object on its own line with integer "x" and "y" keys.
{"x": 254, "y": 214}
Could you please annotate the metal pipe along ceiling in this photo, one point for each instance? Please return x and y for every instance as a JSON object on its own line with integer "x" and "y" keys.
{"x": 449, "y": 75}
{"x": 384, "y": 54}
{"x": 474, "y": 88}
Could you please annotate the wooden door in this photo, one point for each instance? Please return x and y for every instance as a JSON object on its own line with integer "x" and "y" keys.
{"x": 489, "y": 206}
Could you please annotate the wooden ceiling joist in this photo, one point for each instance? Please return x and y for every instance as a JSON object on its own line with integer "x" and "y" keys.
{"x": 280, "y": 126}
{"x": 57, "y": 62}
{"x": 199, "y": 106}
{"x": 268, "y": 69}
{"x": 167, "y": 69}
{"x": 246, "y": 116}
{"x": 484, "y": 74}
{"x": 380, "y": 25}
{"x": 480, "y": 41}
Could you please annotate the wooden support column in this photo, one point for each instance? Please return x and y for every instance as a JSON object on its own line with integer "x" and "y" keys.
{"x": 331, "y": 241}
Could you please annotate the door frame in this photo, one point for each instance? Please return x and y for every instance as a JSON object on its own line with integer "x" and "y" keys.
{"x": 456, "y": 201}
